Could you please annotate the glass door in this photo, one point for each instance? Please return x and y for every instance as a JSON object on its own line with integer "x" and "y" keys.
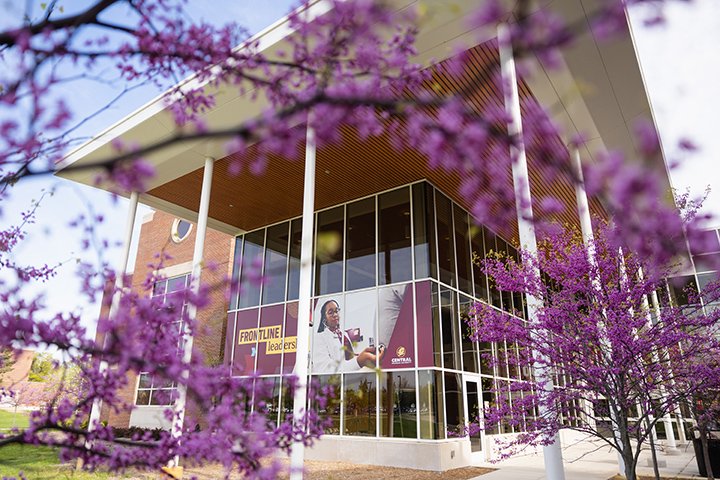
{"x": 473, "y": 412}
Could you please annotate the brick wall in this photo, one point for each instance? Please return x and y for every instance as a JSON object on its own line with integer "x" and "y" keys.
{"x": 155, "y": 238}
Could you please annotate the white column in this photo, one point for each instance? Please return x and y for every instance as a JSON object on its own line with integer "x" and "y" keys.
{"x": 297, "y": 452}
{"x": 552, "y": 453}
{"x": 117, "y": 293}
{"x": 197, "y": 263}
{"x": 583, "y": 207}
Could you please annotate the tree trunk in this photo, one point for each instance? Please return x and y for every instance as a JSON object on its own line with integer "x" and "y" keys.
{"x": 705, "y": 449}
{"x": 651, "y": 438}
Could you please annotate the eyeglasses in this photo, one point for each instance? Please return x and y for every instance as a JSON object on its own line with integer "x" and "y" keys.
{"x": 333, "y": 311}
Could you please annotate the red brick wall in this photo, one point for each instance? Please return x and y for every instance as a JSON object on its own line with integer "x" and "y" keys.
{"x": 155, "y": 238}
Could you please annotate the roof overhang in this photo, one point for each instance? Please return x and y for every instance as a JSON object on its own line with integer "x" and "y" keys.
{"x": 598, "y": 90}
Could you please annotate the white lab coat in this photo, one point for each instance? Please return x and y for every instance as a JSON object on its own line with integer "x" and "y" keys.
{"x": 328, "y": 354}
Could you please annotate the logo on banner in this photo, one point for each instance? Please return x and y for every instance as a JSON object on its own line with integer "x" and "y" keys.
{"x": 400, "y": 358}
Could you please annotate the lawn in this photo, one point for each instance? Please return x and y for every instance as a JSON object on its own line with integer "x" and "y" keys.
{"x": 9, "y": 420}
{"x": 34, "y": 462}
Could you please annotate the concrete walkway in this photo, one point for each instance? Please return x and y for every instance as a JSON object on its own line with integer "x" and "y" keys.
{"x": 593, "y": 460}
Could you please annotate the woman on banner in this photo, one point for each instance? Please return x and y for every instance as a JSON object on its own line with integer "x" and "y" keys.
{"x": 332, "y": 348}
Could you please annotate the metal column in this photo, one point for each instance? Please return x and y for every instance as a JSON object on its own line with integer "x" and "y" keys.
{"x": 552, "y": 453}
{"x": 297, "y": 452}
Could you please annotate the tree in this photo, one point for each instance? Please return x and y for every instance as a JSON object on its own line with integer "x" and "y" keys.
{"x": 352, "y": 65}
{"x": 41, "y": 368}
{"x": 7, "y": 360}
{"x": 618, "y": 367}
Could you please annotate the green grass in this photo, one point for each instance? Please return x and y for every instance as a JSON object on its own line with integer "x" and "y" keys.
{"x": 9, "y": 420}
{"x": 39, "y": 463}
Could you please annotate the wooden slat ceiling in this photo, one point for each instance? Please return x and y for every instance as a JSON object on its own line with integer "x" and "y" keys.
{"x": 355, "y": 168}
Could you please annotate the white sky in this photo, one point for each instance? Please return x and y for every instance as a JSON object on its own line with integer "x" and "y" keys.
{"x": 679, "y": 62}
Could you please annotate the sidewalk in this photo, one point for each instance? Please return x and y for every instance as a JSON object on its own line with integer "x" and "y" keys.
{"x": 591, "y": 460}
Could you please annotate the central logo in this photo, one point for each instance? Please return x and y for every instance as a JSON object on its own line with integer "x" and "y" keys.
{"x": 400, "y": 352}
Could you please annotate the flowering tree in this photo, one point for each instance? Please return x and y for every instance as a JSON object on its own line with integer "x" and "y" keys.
{"x": 352, "y": 65}
{"x": 618, "y": 366}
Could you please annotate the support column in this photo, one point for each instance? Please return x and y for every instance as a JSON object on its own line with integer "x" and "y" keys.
{"x": 297, "y": 451}
{"x": 583, "y": 207}
{"x": 552, "y": 453}
{"x": 117, "y": 293}
{"x": 197, "y": 263}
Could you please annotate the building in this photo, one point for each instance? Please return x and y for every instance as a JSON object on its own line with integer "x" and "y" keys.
{"x": 393, "y": 247}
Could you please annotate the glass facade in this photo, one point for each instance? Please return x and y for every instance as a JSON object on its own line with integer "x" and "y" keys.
{"x": 393, "y": 281}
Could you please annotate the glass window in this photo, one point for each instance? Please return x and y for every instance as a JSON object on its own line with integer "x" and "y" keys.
{"x": 229, "y": 336}
{"x": 428, "y": 324}
{"x": 683, "y": 290}
{"x": 705, "y": 242}
{"x": 180, "y": 230}
{"x": 360, "y": 245}
{"x": 490, "y": 250}
{"x": 251, "y": 269}
{"x": 270, "y": 340}
{"x": 394, "y": 237}
{"x": 237, "y": 261}
{"x": 266, "y": 398}
{"x": 478, "y": 254}
{"x": 396, "y": 326}
{"x": 446, "y": 244}
{"x": 245, "y": 342}
{"x": 487, "y": 362}
{"x": 329, "y": 251}
{"x": 360, "y": 404}
{"x": 275, "y": 269}
{"x": 398, "y": 411}
{"x": 290, "y": 340}
{"x": 424, "y": 230}
{"x": 469, "y": 347}
{"x": 294, "y": 261}
{"x": 431, "y": 405}
{"x": 489, "y": 403}
{"x": 462, "y": 247}
{"x": 333, "y": 406}
{"x": 454, "y": 410}
{"x": 450, "y": 329}
{"x": 707, "y": 262}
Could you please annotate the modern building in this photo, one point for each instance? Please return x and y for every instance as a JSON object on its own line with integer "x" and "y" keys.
{"x": 393, "y": 244}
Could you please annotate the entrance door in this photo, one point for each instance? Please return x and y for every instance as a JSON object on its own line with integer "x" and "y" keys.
{"x": 473, "y": 412}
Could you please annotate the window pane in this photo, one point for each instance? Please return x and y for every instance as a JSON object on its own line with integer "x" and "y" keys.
{"x": 396, "y": 326}
{"x": 430, "y": 401}
{"x": 245, "y": 342}
{"x": 145, "y": 381}
{"x": 251, "y": 269}
{"x": 424, "y": 230}
{"x": 488, "y": 393}
{"x": 450, "y": 329}
{"x": 446, "y": 244}
{"x": 462, "y": 247}
{"x": 294, "y": 262}
{"x": 143, "y": 397}
{"x": 454, "y": 411}
{"x": 270, "y": 340}
{"x": 478, "y": 250}
{"x": 360, "y": 253}
{"x": 237, "y": 260}
{"x": 428, "y": 322}
{"x": 360, "y": 411}
{"x": 469, "y": 348}
{"x": 705, "y": 242}
{"x": 290, "y": 339}
{"x": 329, "y": 251}
{"x": 394, "y": 237}
{"x": 275, "y": 269}
{"x": 229, "y": 338}
{"x": 332, "y": 408}
{"x": 398, "y": 412}
{"x": 266, "y": 398}
{"x": 490, "y": 250}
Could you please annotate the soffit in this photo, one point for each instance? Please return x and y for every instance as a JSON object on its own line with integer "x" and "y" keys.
{"x": 355, "y": 168}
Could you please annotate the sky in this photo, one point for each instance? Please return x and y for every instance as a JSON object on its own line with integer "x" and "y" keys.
{"x": 678, "y": 60}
